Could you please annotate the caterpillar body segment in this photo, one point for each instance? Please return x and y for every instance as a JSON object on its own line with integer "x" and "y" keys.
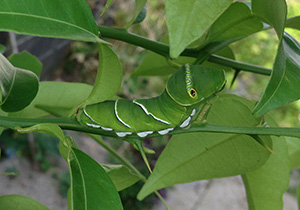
{"x": 186, "y": 92}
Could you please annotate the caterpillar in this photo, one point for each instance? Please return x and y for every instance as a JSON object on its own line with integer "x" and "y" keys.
{"x": 185, "y": 93}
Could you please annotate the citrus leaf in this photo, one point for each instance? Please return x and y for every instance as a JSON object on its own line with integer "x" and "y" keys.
{"x": 25, "y": 60}
{"x": 224, "y": 52}
{"x": 237, "y": 21}
{"x": 86, "y": 189}
{"x": 142, "y": 15}
{"x": 265, "y": 186}
{"x": 2, "y": 113}
{"x": 20, "y": 202}
{"x": 121, "y": 176}
{"x": 46, "y": 128}
{"x": 107, "y": 5}
{"x": 293, "y": 22}
{"x": 55, "y": 18}
{"x": 198, "y": 156}
{"x": 58, "y": 98}
{"x": 18, "y": 86}
{"x": 294, "y": 151}
{"x": 139, "y": 10}
{"x": 52, "y": 130}
{"x": 157, "y": 65}
{"x": 91, "y": 187}
{"x": 109, "y": 76}
{"x": 273, "y": 12}
{"x": 284, "y": 85}
{"x": 188, "y": 20}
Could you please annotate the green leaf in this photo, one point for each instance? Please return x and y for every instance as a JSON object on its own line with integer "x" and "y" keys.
{"x": 58, "y": 98}
{"x": 20, "y": 202}
{"x": 18, "y": 86}
{"x": 46, "y": 128}
{"x": 141, "y": 17}
{"x": 265, "y": 186}
{"x": 293, "y": 22}
{"x": 139, "y": 6}
{"x": 198, "y": 156}
{"x": 157, "y": 65}
{"x": 284, "y": 85}
{"x": 273, "y": 12}
{"x": 55, "y": 18}
{"x": 294, "y": 151}
{"x": 2, "y": 113}
{"x": 107, "y": 5}
{"x": 65, "y": 145}
{"x": 188, "y": 20}
{"x": 52, "y": 130}
{"x": 109, "y": 76}
{"x": 237, "y": 21}
{"x": 25, "y": 60}
{"x": 121, "y": 176}
{"x": 224, "y": 52}
{"x": 91, "y": 187}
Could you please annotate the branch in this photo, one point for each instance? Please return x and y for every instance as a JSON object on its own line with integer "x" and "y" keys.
{"x": 239, "y": 65}
{"x": 12, "y": 122}
{"x": 72, "y": 124}
{"x": 163, "y": 50}
{"x": 273, "y": 131}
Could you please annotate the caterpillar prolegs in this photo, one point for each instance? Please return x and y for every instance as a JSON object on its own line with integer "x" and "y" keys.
{"x": 186, "y": 91}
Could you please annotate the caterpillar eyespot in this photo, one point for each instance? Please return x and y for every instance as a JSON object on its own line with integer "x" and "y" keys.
{"x": 173, "y": 108}
{"x": 192, "y": 92}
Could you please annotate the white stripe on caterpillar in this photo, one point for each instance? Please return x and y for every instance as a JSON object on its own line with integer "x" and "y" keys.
{"x": 118, "y": 117}
{"x": 193, "y": 112}
{"x": 149, "y": 113}
{"x": 144, "y": 133}
{"x": 123, "y": 134}
{"x": 165, "y": 131}
{"x": 93, "y": 125}
{"x": 185, "y": 123}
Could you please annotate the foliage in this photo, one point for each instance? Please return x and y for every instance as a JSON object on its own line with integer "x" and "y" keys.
{"x": 231, "y": 136}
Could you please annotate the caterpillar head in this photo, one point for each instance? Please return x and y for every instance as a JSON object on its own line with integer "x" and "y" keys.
{"x": 192, "y": 84}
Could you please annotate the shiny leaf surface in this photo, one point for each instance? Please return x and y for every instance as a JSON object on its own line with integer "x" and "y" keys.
{"x": 198, "y": 156}
{"x": 55, "y": 18}
{"x": 188, "y": 20}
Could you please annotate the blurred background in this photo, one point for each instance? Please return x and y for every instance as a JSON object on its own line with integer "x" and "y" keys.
{"x": 43, "y": 175}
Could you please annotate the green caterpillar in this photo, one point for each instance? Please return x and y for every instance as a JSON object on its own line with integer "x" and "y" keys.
{"x": 185, "y": 93}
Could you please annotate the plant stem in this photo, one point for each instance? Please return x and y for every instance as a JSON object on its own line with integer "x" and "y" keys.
{"x": 199, "y": 127}
{"x": 273, "y": 131}
{"x": 123, "y": 160}
{"x": 123, "y": 35}
{"x": 163, "y": 200}
{"x": 239, "y": 65}
{"x": 163, "y": 49}
{"x": 12, "y": 122}
{"x": 72, "y": 124}
{"x": 99, "y": 140}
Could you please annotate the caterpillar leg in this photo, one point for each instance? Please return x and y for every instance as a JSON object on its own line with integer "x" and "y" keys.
{"x": 203, "y": 113}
